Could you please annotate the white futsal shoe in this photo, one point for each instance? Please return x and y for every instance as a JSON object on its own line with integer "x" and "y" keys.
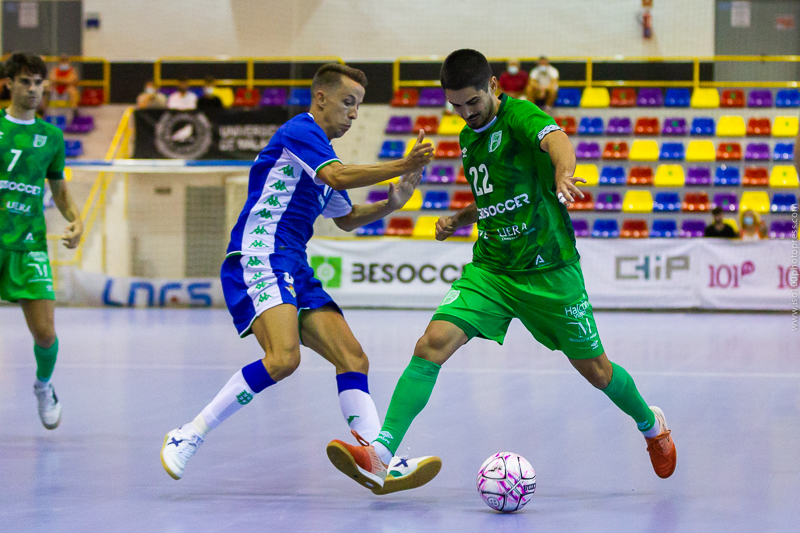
{"x": 179, "y": 446}
{"x": 49, "y": 406}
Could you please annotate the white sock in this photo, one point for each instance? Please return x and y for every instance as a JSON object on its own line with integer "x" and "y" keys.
{"x": 234, "y": 395}
{"x": 383, "y": 452}
{"x": 360, "y": 413}
{"x": 653, "y": 431}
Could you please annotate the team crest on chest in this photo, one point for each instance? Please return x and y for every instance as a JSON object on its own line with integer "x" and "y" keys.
{"x": 39, "y": 140}
{"x": 495, "y": 140}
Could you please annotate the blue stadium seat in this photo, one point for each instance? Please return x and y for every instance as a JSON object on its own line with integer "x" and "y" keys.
{"x": 372, "y": 229}
{"x": 435, "y": 200}
{"x": 73, "y": 148}
{"x": 59, "y": 121}
{"x": 300, "y": 97}
{"x": 612, "y": 176}
{"x": 727, "y": 176}
{"x": 788, "y": 98}
{"x": 590, "y": 126}
{"x": 678, "y": 98}
{"x": 702, "y": 126}
{"x": 783, "y": 203}
{"x": 568, "y": 97}
{"x": 783, "y": 152}
{"x": 664, "y": 229}
{"x": 392, "y": 149}
{"x": 672, "y": 152}
{"x": 667, "y": 201}
{"x": 605, "y": 228}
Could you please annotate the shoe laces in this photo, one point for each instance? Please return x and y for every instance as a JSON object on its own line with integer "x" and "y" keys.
{"x": 46, "y": 395}
{"x": 359, "y": 438}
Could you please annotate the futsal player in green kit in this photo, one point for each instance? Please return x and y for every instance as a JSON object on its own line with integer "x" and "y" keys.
{"x": 30, "y": 151}
{"x": 525, "y": 265}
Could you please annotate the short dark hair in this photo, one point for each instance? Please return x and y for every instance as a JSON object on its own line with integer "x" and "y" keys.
{"x": 20, "y": 62}
{"x": 330, "y": 74}
{"x": 465, "y": 68}
{"x": 717, "y": 211}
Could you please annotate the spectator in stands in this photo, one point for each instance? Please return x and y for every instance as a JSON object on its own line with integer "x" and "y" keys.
{"x": 150, "y": 98}
{"x": 209, "y": 100}
{"x": 513, "y": 81}
{"x": 718, "y": 228}
{"x": 64, "y": 83}
{"x": 753, "y": 228}
{"x": 183, "y": 99}
{"x": 543, "y": 85}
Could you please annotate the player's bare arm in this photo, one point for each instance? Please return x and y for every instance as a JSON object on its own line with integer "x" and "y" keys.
{"x": 399, "y": 194}
{"x": 65, "y": 204}
{"x": 447, "y": 225}
{"x": 562, "y": 154}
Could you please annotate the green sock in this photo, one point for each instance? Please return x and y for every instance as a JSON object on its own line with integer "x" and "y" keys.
{"x": 45, "y": 360}
{"x": 622, "y": 391}
{"x": 410, "y": 396}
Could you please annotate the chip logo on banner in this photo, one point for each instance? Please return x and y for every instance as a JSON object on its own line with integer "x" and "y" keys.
{"x": 328, "y": 270}
{"x": 639, "y": 267}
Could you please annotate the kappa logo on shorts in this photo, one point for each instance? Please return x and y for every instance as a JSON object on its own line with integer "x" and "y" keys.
{"x": 451, "y": 297}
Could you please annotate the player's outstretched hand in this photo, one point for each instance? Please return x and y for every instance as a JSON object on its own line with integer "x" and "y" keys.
{"x": 445, "y": 227}
{"x": 566, "y": 190}
{"x": 72, "y": 236}
{"x": 420, "y": 155}
{"x": 400, "y": 194}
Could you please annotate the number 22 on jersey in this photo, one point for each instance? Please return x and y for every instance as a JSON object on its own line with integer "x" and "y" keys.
{"x": 475, "y": 174}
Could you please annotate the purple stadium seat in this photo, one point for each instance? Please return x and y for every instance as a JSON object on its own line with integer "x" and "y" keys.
{"x": 675, "y": 126}
{"x": 650, "y": 97}
{"x": 760, "y": 98}
{"x": 757, "y": 152}
{"x": 781, "y": 229}
{"x": 693, "y": 228}
{"x": 698, "y": 176}
{"x": 431, "y": 97}
{"x": 273, "y": 97}
{"x": 441, "y": 174}
{"x": 399, "y": 125}
{"x": 581, "y": 227}
{"x": 619, "y": 126}
{"x": 463, "y": 231}
{"x": 588, "y": 150}
{"x": 81, "y": 124}
{"x": 727, "y": 201}
{"x": 608, "y": 201}
{"x": 376, "y": 196}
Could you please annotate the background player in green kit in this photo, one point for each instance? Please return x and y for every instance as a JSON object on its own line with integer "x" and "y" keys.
{"x": 520, "y": 165}
{"x": 30, "y": 151}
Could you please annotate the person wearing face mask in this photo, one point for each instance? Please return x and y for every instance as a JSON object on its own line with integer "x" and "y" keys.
{"x": 543, "y": 85}
{"x": 209, "y": 100}
{"x": 183, "y": 99}
{"x": 64, "y": 83}
{"x": 150, "y": 98}
{"x": 513, "y": 81}
{"x": 753, "y": 228}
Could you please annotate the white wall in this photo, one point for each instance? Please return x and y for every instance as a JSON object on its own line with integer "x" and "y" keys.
{"x": 387, "y": 29}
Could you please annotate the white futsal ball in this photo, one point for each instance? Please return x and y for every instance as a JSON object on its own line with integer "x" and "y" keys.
{"x": 506, "y": 481}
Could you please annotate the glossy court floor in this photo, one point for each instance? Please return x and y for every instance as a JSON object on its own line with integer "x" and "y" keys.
{"x": 729, "y": 385}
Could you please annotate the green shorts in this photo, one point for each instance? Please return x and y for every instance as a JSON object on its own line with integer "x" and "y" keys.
{"x": 552, "y": 305}
{"x": 25, "y": 275}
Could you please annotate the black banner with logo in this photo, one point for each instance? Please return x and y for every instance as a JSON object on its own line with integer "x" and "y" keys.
{"x": 210, "y": 134}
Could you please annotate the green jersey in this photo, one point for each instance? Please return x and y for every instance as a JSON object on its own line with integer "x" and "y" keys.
{"x": 522, "y": 227}
{"x": 30, "y": 151}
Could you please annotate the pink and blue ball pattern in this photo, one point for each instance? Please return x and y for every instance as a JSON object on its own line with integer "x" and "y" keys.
{"x": 506, "y": 482}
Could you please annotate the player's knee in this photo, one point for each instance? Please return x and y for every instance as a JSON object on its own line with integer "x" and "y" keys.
{"x": 44, "y": 335}
{"x": 280, "y": 364}
{"x": 430, "y": 346}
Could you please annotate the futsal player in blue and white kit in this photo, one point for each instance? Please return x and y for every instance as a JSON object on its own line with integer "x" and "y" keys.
{"x": 269, "y": 287}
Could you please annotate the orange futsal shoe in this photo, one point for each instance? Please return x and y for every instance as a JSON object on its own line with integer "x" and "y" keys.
{"x": 358, "y": 462}
{"x": 662, "y": 448}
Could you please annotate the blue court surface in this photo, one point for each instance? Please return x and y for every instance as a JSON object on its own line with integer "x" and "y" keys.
{"x": 729, "y": 385}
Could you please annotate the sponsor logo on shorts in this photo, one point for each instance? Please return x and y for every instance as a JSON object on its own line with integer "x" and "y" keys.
{"x": 18, "y": 207}
{"x": 328, "y": 270}
{"x": 578, "y": 310}
{"x": 38, "y": 256}
{"x": 21, "y": 187}
{"x": 501, "y": 207}
{"x": 451, "y": 297}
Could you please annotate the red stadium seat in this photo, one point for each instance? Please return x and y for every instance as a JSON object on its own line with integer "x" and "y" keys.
{"x": 429, "y": 124}
{"x": 640, "y": 176}
{"x": 623, "y": 97}
{"x": 405, "y": 98}
{"x": 583, "y": 204}
{"x": 461, "y": 178}
{"x": 568, "y": 124}
{"x": 92, "y": 96}
{"x": 696, "y": 201}
{"x": 616, "y": 150}
{"x": 759, "y": 127}
{"x": 646, "y": 126}
{"x": 755, "y": 177}
{"x": 400, "y": 227}
{"x": 634, "y": 229}
{"x": 448, "y": 150}
{"x": 729, "y": 152}
{"x": 461, "y": 199}
{"x": 732, "y": 98}
{"x": 246, "y": 97}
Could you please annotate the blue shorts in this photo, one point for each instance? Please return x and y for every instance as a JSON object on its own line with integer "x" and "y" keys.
{"x": 254, "y": 283}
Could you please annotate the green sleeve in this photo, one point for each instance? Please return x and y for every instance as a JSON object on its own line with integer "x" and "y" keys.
{"x": 56, "y": 169}
{"x": 532, "y": 124}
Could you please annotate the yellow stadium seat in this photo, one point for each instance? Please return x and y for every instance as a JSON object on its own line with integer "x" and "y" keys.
{"x": 589, "y": 173}
{"x": 701, "y": 151}
{"x": 783, "y": 176}
{"x": 732, "y": 223}
{"x": 393, "y": 180}
{"x": 669, "y": 176}
{"x": 644, "y": 151}
{"x": 595, "y": 97}
{"x": 731, "y": 126}
{"x": 425, "y": 228}
{"x": 705, "y": 98}
{"x": 225, "y": 95}
{"x": 637, "y": 202}
{"x": 785, "y": 127}
{"x": 451, "y": 125}
{"x": 414, "y": 203}
{"x": 409, "y": 145}
{"x": 68, "y": 174}
{"x": 758, "y": 201}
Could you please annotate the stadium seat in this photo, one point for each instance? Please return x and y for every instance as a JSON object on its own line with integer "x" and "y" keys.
{"x": 377, "y": 195}
{"x": 80, "y": 124}
{"x": 73, "y": 148}
{"x": 731, "y": 126}
{"x": 619, "y": 126}
{"x": 373, "y": 229}
{"x": 726, "y": 200}
{"x": 425, "y": 228}
{"x": 461, "y": 179}
{"x": 590, "y": 126}
{"x": 612, "y": 176}
{"x": 637, "y": 202}
{"x": 756, "y": 152}
{"x": 729, "y": 152}
{"x": 732, "y": 98}
{"x": 759, "y": 127}
{"x": 470, "y": 231}
{"x": 695, "y": 201}
{"x": 435, "y": 200}
{"x": 431, "y": 97}
{"x": 758, "y": 201}
{"x": 583, "y": 204}
{"x": 392, "y": 149}
{"x": 783, "y": 176}
{"x": 608, "y": 201}
{"x": 783, "y": 152}
{"x": 727, "y": 176}
{"x": 644, "y": 151}
{"x": 246, "y": 97}
{"x": 59, "y": 121}
{"x": 640, "y": 176}
{"x": 650, "y": 97}
{"x": 460, "y": 200}
{"x": 623, "y": 97}
{"x": 567, "y": 124}
{"x": 451, "y": 125}
{"x": 616, "y": 150}
{"x": 785, "y": 127}
{"x": 787, "y": 98}
{"x": 782, "y": 229}
{"x": 92, "y": 96}
{"x": 399, "y": 124}
{"x": 678, "y": 98}
{"x": 698, "y": 176}
{"x": 405, "y": 98}
{"x": 646, "y": 126}
{"x": 702, "y": 127}
{"x": 664, "y": 229}
{"x": 428, "y": 124}
{"x": 580, "y": 227}
{"x": 595, "y": 97}
{"x": 675, "y": 126}
{"x": 669, "y": 176}
{"x": 705, "y": 98}
{"x": 441, "y": 174}
{"x": 671, "y": 152}
{"x": 414, "y": 203}
{"x": 700, "y": 151}
{"x": 692, "y": 228}
{"x": 667, "y": 201}
{"x": 568, "y": 97}
{"x": 271, "y": 97}
{"x": 589, "y": 173}
{"x": 783, "y": 203}
{"x": 605, "y": 229}
{"x": 634, "y": 229}
{"x": 755, "y": 177}
{"x": 299, "y": 97}
{"x": 447, "y": 150}
{"x": 759, "y": 98}
{"x": 587, "y": 150}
